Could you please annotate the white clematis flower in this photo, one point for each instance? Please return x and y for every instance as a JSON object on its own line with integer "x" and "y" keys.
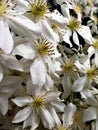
{"x": 67, "y": 118}
{"x": 38, "y": 106}
{"x": 43, "y": 54}
{"x": 89, "y": 74}
{"x": 38, "y": 12}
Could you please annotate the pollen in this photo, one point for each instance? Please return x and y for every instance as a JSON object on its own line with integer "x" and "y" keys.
{"x": 38, "y": 8}
{"x": 68, "y": 67}
{"x": 62, "y": 128}
{"x": 78, "y": 119}
{"x": 3, "y": 8}
{"x": 44, "y": 47}
{"x": 55, "y": 28}
{"x": 38, "y": 103}
{"x": 77, "y": 8}
{"x": 74, "y": 24}
{"x": 90, "y": 2}
{"x": 95, "y": 44}
{"x": 95, "y": 19}
{"x": 91, "y": 73}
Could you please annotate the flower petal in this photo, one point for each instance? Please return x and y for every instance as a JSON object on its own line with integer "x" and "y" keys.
{"x": 3, "y": 104}
{"x": 85, "y": 32}
{"x": 33, "y": 121}
{"x": 55, "y": 116}
{"x": 79, "y": 84}
{"x": 90, "y": 114}
{"x": 6, "y": 40}
{"x": 75, "y": 38}
{"x": 11, "y": 62}
{"x": 24, "y": 50}
{"x": 47, "y": 31}
{"x": 22, "y": 101}
{"x": 22, "y": 115}
{"x": 47, "y": 119}
{"x": 1, "y": 73}
{"x": 68, "y": 114}
{"x": 38, "y": 72}
{"x": 90, "y": 99}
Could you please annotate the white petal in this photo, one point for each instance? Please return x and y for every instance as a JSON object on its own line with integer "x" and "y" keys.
{"x": 91, "y": 51}
{"x": 47, "y": 32}
{"x": 1, "y": 73}
{"x": 66, "y": 82}
{"x": 75, "y": 38}
{"x": 96, "y": 58}
{"x": 59, "y": 106}
{"x": 38, "y": 72}
{"x": 22, "y": 101}
{"x": 25, "y": 23}
{"x": 47, "y": 119}
{"x": 11, "y": 62}
{"x": 65, "y": 10}
{"x": 81, "y": 67}
{"x": 66, "y": 37}
{"x": 85, "y": 32}
{"x": 9, "y": 84}
{"x": 90, "y": 114}
{"x": 10, "y": 80}
{"x": 51, "y": 95}
{"x": 22, "y": 115}
{"x": 6, "y": 41}
{"x": 24, "y": 50}
{"x": 57, "y": 18}
{"x": 33, "y": 120}
{"x": 97, "y": 123}
{"x": 79, "y": 84}
{"x": 90, "y": 99}
{"x": 3, "y": 104}
{"x": 68, "y": 114}
{"x": 49, "y": 83}
{"x": 55, "y": 116}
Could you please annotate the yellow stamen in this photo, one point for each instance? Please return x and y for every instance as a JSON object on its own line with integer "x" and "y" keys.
{"x": 74, "y": 24}
{"x": 90, "y": 2}
{"x": 38, "y": 8}
{"x": 3, "y": 8}
{"x": 77, "y": 8}
{"x": 68, "y": 67}
{"x": 44, "y": 47}
{"x": 62, "y": 128}
{"x": 38, "y": 103}
{"x": 95, "y": 19}
{"x": 55, "y": 28}
{"x": 95, "y": 44}
{"x": 92, "y": 73}
{"x": 78, "y": 118}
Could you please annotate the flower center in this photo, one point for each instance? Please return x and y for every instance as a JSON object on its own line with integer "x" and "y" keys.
{"x": 74, "y": 24}
{"x": 55, "y": 28}
{"x": 95, "y": 44}
{"x": 91, "y": 73}
{"x": 62, "y": 128}
{"x": 68, "y": 67}
{"x": 38, "y": 8}
{"x": 90, "y": 2}
{"x": 38, "y": 103}
{"x": 44, "y": 47}
{"x": 3, "y": 8}
{"x": 78, "y": 118}
{"x": 77, "y": 8}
